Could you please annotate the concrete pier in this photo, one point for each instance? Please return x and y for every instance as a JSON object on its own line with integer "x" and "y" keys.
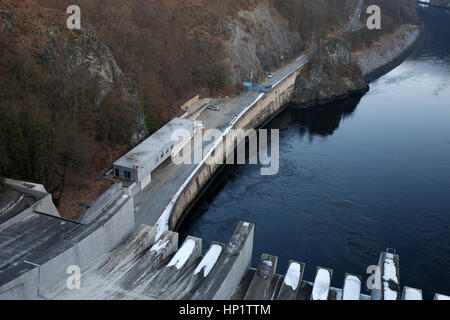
{"x": 352, "y": 287}
{"x": 292, "y": 281}
{"x": 262, "y": 279}
{"x": 388, "y": 277}
{"x": 322, "y": 283}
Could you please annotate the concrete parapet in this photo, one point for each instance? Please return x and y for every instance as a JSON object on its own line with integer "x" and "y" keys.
{"x": 262, "y": 279}
{"x": 388, "y": 279}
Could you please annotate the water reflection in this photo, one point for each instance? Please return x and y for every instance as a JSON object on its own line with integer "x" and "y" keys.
{"x": 320, "y": 121}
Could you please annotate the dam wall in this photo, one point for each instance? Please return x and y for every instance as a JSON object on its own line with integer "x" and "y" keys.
{"x": 264, "y": 108}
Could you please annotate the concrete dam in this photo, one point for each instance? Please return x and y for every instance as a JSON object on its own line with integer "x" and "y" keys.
{"x": 39, "y": 249}
{"x": 119, "y": 257}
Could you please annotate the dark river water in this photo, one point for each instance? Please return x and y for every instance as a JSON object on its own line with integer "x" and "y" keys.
{"x": 356, "y": 177}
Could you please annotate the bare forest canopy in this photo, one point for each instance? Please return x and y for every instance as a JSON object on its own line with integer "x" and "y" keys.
{"x": 54, "y": 128}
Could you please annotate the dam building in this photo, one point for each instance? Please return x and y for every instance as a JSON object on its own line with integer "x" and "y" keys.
{"x": 138, "y": 164}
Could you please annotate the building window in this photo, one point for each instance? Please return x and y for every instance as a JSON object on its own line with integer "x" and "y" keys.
{"x": 171, "y": 147}
{"x": 117, "y": 172}
{"x": 127, "y": 174}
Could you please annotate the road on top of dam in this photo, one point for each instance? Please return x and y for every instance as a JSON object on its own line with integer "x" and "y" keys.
{"x": 151, "y": 202}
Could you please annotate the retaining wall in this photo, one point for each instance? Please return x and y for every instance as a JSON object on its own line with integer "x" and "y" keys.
{"x": 253, "y": 116}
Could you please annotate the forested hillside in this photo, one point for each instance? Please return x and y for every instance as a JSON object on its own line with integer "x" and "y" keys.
{"x": 71, "y": 102}
{"x": 62, "y": 105}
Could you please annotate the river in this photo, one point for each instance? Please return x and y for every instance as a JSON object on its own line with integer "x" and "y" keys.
{"x": 356, "y": 177}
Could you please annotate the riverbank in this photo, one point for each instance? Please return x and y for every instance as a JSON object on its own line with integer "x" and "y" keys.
{"x": 336, "y": 73}
{"x": 331, "y": 75}
{"x": 389, "y": 52}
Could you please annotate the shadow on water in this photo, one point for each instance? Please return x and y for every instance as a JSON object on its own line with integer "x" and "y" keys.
{"x": 320, "y": 121}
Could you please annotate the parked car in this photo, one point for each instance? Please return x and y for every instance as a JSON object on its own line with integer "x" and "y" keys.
{"x": 214, "y": 107}
{"x": 270, "y": 75}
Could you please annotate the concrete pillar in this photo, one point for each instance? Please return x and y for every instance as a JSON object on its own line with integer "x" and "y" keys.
{"x": 352, "y": 287}
{"x": 322, "y": 283}
{"x": 411, "y": 294}
{"x": 388, "y": 277}
{"x": 262, "y": 279}
{"x": 292, "y": 281}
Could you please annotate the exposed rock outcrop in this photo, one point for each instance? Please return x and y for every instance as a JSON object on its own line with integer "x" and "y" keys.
{"x": 72, "y": 54}
{"x": 388, "y": 52}
{"x": 331, "y": 75}
{"x": 81, "y": 52}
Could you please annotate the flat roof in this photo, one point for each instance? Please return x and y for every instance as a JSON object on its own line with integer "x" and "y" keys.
{"x": 154, "y": 144}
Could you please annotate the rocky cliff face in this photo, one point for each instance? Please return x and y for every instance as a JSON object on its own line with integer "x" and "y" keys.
{"x": 331, "y": 75}
{"x": 67, "y": 110}
{"x": 260, "y": 40}
{"x": 73, "y": 53}
{"x": 78, "y": 52}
